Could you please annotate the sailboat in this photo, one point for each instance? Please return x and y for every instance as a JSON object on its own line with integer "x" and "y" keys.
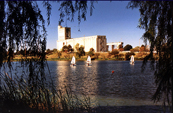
{"x": 88, "y": 61}
{"x": 132, "y": 61}
{"x": 73, "y": 61}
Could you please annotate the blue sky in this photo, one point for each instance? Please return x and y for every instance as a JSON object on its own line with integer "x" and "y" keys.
{"x": 112, "y": 19}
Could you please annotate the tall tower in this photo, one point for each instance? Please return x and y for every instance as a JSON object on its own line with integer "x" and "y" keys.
{"x": 64, "y": 33}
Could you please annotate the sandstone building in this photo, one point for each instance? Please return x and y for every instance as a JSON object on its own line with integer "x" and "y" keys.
{"x": 97, "y": 42}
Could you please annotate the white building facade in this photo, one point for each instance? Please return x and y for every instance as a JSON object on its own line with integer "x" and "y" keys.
{"x": 97, "y": 42}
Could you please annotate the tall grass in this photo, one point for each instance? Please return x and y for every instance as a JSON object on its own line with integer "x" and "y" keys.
{"x": 35, "y": 89}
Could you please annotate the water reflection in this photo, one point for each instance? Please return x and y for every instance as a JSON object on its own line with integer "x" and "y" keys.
{"x": 63, "y": 74}
{"x": 79, "y": 78}
{"x": 126, "y": 86}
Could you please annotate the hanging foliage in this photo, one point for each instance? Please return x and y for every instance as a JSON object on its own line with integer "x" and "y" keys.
{"x": 156, "y": 17}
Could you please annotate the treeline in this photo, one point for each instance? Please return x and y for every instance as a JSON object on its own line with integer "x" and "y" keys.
{"x": 123, "y": 53}
{"x": 116, "y": 54}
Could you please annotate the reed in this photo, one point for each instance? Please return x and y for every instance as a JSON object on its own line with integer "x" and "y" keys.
{"x": 34, "y": 89}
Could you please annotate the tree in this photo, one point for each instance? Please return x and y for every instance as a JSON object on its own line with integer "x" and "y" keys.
{"x": 142, "y": 48}
{"x": 156, "y": 18}
{"x": 48, "y": 51}
{"x": 22, "y": 27}
{"x": 70, "y": 49}
{"x": 92, "y": 49}
{"x": 69, "y": 8}
{"x": 120, "y": 46}
{"x": 91, "y": 52}
{"x": 21, "y": 52}
{"x": 80, "y": 51}
{"x": 127, "y": 47}
{"x": 65, "y": 48}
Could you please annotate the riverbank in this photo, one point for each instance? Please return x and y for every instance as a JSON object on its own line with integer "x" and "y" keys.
{"x": 84, "y": 59}
{"x": 122, "y": 56}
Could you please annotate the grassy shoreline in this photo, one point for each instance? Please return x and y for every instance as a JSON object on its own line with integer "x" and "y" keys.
{"x": 101, "y": 57}
{"x": 84, "y": 59}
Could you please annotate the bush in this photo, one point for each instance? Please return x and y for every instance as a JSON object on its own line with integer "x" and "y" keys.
{"x": 55, "y": 50}
{"x": 121, "y": 49}
{"x": 134, "y": 50}
{"x": 115, "y": 52}
{"x": 96, "y": 55}
{"x": 65, "y": 55}
{"x": 121, "y": 55}
{"x": 103, "y": 56}
{"x": 59, "y": 54}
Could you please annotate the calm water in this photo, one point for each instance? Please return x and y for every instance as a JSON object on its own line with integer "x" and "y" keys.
{"x": 127, "y": 86}
{"x": 127, "y": 89}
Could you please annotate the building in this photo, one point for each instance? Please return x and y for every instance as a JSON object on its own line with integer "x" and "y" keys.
{"x": 97, "y": 42}
{"x": 113, "y": 44}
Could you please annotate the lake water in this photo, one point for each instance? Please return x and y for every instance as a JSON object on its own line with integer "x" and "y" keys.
{"x": 127, "y": 86}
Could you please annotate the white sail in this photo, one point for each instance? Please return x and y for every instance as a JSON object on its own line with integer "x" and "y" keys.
{"x": 89, "y": 59}
{"x": 88, "y": 62}
{"x": 73, "y": 61}
{"x": 132, "y": 60}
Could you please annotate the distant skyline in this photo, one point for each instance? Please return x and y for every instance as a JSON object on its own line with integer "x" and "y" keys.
{"x": 111, "y": 19}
